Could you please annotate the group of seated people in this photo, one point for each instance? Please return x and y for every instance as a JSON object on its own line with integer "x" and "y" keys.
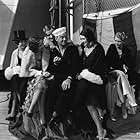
{"x": 58, "y": 77}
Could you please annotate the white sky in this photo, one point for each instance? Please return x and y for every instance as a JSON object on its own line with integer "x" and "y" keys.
{"x": 11, "y": 4}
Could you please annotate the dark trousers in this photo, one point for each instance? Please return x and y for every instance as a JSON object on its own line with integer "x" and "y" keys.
{"x": 58, "y": 100}
{"x": 19, "y": 86}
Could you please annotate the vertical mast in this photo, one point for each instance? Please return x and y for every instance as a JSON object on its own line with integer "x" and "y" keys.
{"x": 60, "y": 13}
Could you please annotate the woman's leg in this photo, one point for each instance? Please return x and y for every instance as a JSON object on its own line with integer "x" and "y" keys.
{"x": 13, "y": 109}
{"x": 14, "y": 90}
{"x": 12, "y": 113}
{"x": 95, "y": 116}
{"x": 22, "y": 90}
{"x": 39, "y": 89}
{"x": 124, "y": 109}
{"x": 42, "y": 107}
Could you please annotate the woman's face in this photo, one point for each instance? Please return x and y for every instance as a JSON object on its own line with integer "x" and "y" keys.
{"x": 48, "y": 39}
{"x": 83, "y": 40}
{"x": 118, "y": 42}
{"x": 40, "y": 43}
{"x": 22, "y": 45}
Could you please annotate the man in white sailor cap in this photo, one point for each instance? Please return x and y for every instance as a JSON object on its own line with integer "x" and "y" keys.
{"x": 65, "y": 67}
{"x": 61, "y": 38}
{"x": 59, "y": 31}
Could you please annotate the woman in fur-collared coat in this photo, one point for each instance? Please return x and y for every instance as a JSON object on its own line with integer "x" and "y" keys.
{"x": 120, "y": 64}
{"x": 11, "y": 73}
{"x": 90, "y": 91}
{"x": 34, "y": 65}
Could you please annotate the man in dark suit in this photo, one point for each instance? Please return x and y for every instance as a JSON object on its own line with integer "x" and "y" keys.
{"x": 64, "y": 61}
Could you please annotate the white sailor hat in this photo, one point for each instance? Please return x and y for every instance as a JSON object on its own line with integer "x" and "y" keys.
{"x": 59, "y": 31}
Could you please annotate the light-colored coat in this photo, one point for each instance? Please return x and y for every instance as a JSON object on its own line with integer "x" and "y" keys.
{"x": 13, "y": 68}
{"x": 28, "y": 63}
{"x": 14, "y": 58}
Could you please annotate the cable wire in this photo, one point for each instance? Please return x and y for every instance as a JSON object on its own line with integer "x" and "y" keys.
{"x": 4, "y": 123}
{"x": 7, "y": 98}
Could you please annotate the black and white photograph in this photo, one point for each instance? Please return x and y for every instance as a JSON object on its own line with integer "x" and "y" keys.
{"x": 69, "y": 69}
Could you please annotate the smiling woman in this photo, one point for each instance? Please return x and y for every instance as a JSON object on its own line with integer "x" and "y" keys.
{"x": 89, "y": 89}
{"x": 35, "y": 62}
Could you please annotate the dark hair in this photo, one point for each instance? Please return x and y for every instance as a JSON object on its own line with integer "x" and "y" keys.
{"x": 19, "y": 35}
{"x": 48, "y": 28}
{"x": 33, "y": 43}
{"x": 89, "y": 35}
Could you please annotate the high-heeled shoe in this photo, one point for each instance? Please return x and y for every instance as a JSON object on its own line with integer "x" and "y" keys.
{"x": 18, "y": 121}
{"x": 103, "y": 137}
{"x": 124, "y": 116}
{"x": 42, "y": 133}
{"x": 11, "y": 118}
{"x": 53, "y": 119}
{"x": 124, "y": 112}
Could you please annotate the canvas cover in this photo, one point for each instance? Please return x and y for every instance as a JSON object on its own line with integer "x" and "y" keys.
{"x": 107, "y": 23}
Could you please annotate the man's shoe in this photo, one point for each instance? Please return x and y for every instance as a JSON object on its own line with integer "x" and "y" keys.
{"x": 18, "y": 122}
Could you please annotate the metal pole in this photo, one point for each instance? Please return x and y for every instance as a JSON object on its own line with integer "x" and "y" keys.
{"x": 68, "y": 21}
{"x": 60, "y": 13}
{"x": 71, "y": 20}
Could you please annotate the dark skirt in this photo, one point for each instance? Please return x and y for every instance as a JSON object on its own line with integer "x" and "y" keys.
{"x": 90, "y": 94}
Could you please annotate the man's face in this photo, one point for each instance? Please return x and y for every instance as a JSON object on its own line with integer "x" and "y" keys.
{"x": 62, "y": 39}
{"x": 22, "y": 45}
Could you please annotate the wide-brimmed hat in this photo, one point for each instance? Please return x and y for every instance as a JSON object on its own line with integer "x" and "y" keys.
{"x": 19, "y": 35}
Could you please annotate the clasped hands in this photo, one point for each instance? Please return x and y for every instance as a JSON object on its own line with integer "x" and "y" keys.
{"x": 48, "y": 75}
